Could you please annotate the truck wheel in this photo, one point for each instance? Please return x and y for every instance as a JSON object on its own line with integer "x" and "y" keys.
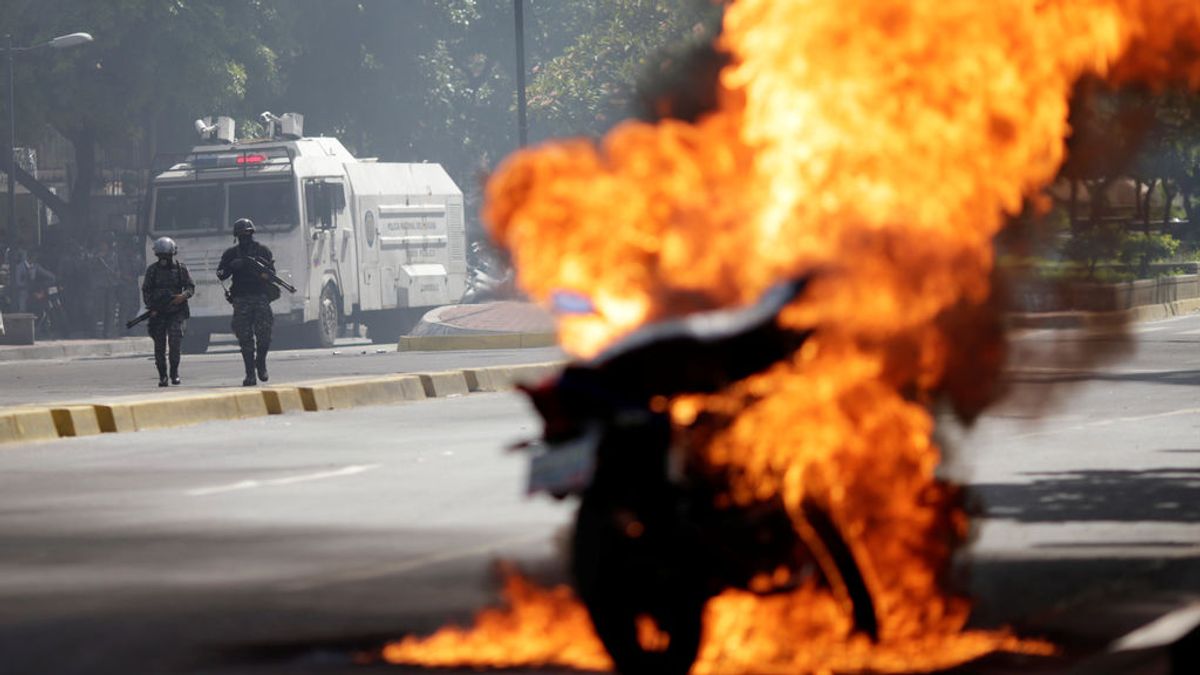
{"x": 195, "y": 342}
{"x": 329, "y": 320}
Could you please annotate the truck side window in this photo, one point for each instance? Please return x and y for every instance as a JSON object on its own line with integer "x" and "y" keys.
{"x": 321, "y": 201}
{"x": 337, "y": 195}
{"x": 317, "y": 207}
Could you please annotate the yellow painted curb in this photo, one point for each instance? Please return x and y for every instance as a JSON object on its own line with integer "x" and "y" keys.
{"x": 445, "y": 383}
{"x": 314, "y": 398}
{"x": 375, "y": 391}
{"x": 282, "y": 399}
{"x": 355, "y": 392}
{"x": 432, "y": 343}
{"x": 504, "y": 378}
{"x": 115, "y": 418}
{"x": 125, "y": 415}
{"x": 250, "y": 403}
{"x": 27, "y": 424}
{"x": 183, "y": 410}
{"x": 8, "y": 429}
{"x": 76, "y": 420}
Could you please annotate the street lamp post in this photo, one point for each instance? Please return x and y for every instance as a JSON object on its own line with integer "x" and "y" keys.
{"x": 60, "y": 42}
{"x": 519, "y": 21}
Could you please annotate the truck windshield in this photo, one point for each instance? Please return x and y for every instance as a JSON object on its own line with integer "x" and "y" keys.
{"x": 188, "y": 208}
{"x": 270, "y": 204}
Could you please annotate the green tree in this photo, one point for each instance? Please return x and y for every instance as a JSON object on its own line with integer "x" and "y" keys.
{"x": 152, "y": 60}
{"x": 591, "y": 84}
{"x": 405, "y": 81}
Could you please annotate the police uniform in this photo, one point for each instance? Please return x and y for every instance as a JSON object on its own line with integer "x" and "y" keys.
{"x": 251, "y": 296}
{"x": 166, "y": 327}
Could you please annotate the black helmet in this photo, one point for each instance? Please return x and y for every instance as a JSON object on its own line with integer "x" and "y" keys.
{"x": 165, "y": 246}
{"x": 243, "y": 226}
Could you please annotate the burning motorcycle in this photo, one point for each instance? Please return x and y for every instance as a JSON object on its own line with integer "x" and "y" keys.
{"x": 652, "y": 541}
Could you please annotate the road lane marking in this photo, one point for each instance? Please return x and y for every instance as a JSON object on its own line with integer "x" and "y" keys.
{"x": 1162, "y": 631}
{"x": 291, "y": 480}
{"x": 1057, "y": 370}
{"x": 1109, "y": 422}
{"x": 405, "y": 566}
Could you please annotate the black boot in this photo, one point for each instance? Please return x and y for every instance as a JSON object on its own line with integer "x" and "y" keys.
{"x": 175, "y": 371}
{"x": 260, "y": 363}
{"x": 248, "y": 361}
{"x": 162, "y": 374}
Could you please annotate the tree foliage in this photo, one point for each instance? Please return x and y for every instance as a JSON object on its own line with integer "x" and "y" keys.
{"x": 590, "y": 84}
{"x": 151, "y": 60}
{"x": 1144, "y": 145}
{"x": 432, "y": 80}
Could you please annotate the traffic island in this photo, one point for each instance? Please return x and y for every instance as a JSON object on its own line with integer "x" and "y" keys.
{"x": 489, "y": 325}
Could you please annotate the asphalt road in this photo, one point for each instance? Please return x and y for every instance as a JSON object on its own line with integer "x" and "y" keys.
{"x": 90, "y": 379}
{"x": 165, "y": 551}
{"x": 272, "y": 545}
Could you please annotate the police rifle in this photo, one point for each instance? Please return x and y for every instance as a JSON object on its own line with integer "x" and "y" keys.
{"x": 147, "y": 314}
{"x": 262, "y": 268}
{"x": 138, "y": 319}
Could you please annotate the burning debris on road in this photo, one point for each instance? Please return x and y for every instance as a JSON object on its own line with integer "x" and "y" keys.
{"x": 886, "y": 143}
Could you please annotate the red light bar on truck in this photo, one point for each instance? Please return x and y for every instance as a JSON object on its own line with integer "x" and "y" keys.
{"x": 241, "y": 160}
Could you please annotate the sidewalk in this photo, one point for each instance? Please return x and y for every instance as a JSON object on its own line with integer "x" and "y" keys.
{"x": 75, "y": 349}
{"x": 442, "y": 324}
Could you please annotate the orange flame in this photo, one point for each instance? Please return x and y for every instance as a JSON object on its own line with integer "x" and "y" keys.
{"x": 540, "y": 627}
{"x": 886, "y": 142}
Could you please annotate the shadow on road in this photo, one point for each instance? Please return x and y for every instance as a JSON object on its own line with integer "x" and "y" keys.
{"x": 1172, "y": 377}
{"x": 1165, "y": 494}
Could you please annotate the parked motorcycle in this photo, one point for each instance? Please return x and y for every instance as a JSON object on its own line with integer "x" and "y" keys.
{"x": 488, "y": 277}
{"x": 651, "y": 544}
{"x": 46, "y": 304}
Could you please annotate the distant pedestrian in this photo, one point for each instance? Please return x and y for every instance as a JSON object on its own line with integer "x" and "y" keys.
{"x": 165, "y": 290}
{"x": 106, "y": 284}
{"x": 251, "y": 295}
{"x": 29, "y": 277}
{"x": 74, "y": 275}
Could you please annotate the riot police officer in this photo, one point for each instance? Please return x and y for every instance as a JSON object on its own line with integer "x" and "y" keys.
{"x": 165, "y": 290}
{"x": 251, "y": 295}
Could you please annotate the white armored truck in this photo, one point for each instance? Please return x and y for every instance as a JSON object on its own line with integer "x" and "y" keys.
{"x": 376, "y": 243}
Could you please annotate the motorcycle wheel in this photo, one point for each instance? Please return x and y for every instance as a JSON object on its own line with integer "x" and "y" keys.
{"x": 622, "y": 587}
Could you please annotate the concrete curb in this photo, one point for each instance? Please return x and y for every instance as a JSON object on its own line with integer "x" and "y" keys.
{"x": 1137, "y": 314}
{"x": 433, "y": 343}
{"x": 446, "y": 383}
{"x": 27, "y": 424}
{"x": 341, "y": 394}
{"x": 63, "y": 420}
{"x": 503, "y": 378}
{"x": 76, "y": 420}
